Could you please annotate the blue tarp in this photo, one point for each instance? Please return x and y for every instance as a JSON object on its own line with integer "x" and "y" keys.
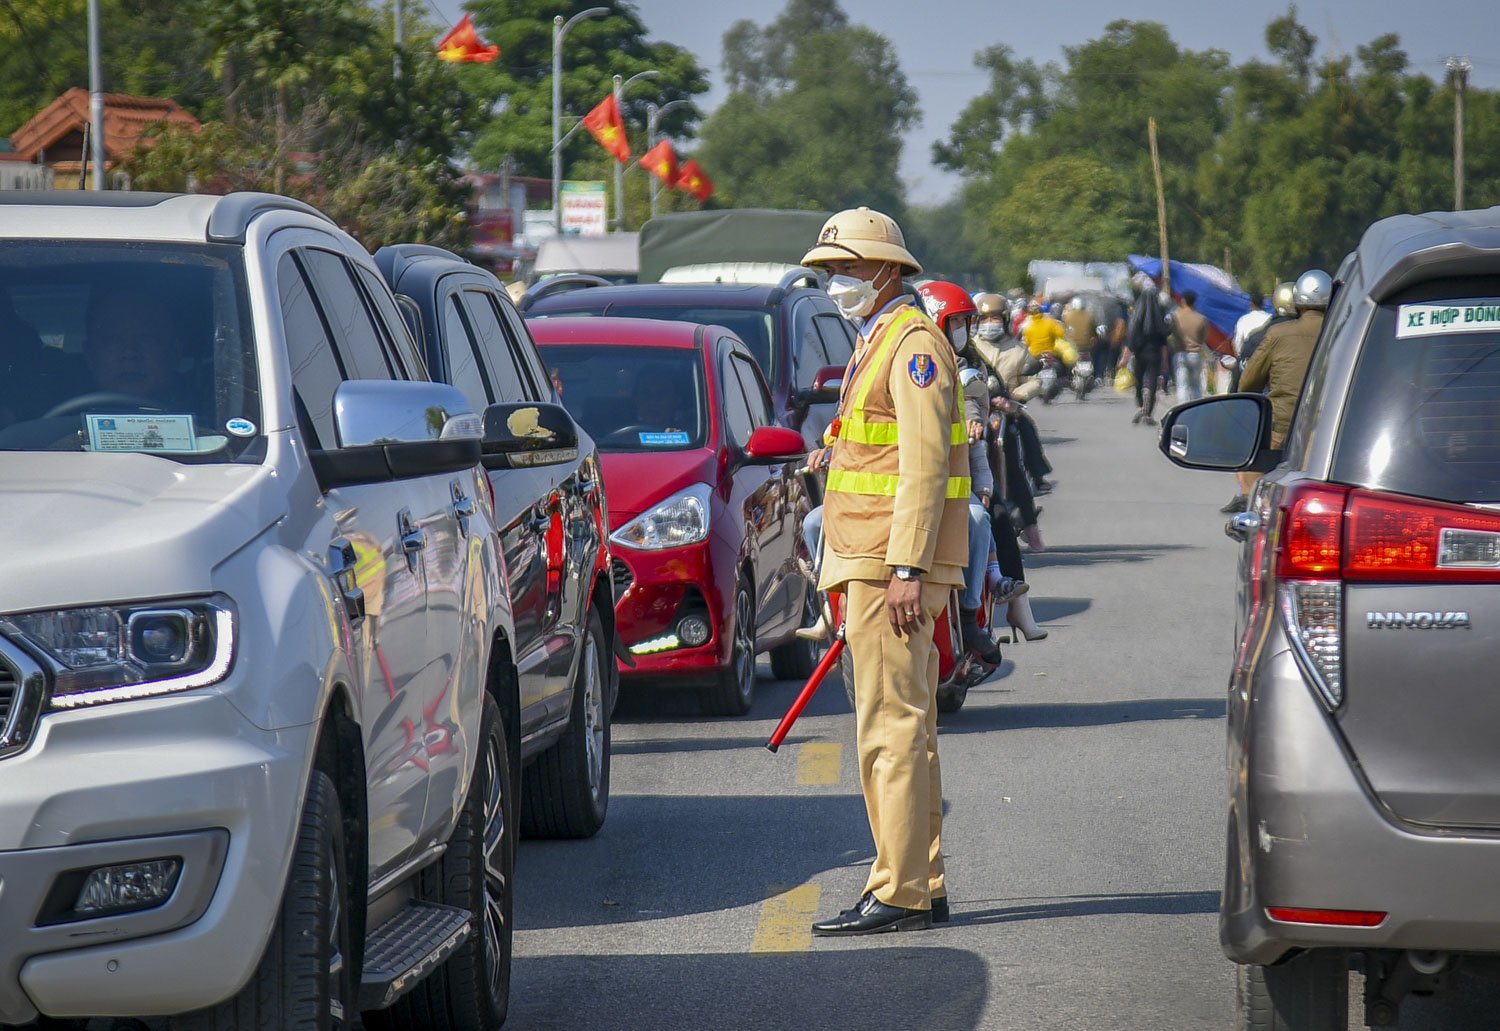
{"x": 1220, "y": 297}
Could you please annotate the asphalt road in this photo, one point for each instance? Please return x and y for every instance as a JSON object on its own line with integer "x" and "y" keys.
{"x": 1083, "y": 837}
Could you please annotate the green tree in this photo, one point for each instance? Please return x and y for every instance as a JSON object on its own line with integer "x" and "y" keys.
{"x": 518, "y": 87}
{"x": 814, "y": 117}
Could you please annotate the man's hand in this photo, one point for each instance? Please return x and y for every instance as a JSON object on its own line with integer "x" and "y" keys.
{"x": 818, "y": 458}
{"x": 903, "y": 606}
{"x": 976, "y": 431}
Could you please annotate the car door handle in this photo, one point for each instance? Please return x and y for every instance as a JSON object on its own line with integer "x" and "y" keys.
{"x": 413, "y": 538}
{"x": 1240, "y": 527}
{"x": 463, "y": 507}
{"x": 342, "y": 563}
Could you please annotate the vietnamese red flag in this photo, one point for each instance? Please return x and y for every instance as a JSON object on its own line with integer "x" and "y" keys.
{"x": 608, "y": 128}
{"x": 694, "y": 181}
{"x": 462, "y": 43}
{"x": 661, "y": 161}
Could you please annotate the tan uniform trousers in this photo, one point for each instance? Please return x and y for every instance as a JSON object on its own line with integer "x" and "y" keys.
{"x": 895, "y": 712}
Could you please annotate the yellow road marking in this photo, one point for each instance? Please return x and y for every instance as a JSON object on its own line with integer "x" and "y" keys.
{"x": 820, "y": 763}
{"x": 786, "y": 920}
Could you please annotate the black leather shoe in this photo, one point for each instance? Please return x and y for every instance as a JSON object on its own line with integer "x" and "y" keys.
{"x": 940, "y": 914}
{"x": 871, "y": 916}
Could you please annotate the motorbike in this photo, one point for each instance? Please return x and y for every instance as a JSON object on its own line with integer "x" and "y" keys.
{"x": 1051, "y": 376}
{"x": 1083, "y": 378}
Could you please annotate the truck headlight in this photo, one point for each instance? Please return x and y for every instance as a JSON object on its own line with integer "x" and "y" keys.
{"x": 679, "y": 520}
{"x": 119, "y": 653}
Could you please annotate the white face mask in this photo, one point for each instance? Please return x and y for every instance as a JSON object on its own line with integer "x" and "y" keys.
{"x": 855, "y": 297}
{"x": 958, "y": 336}
{"x": 990, "y": 331}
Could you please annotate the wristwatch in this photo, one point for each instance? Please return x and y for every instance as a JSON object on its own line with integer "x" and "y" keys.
{"x": 908, "y": 573}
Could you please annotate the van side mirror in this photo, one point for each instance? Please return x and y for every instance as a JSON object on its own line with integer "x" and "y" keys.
{"x": 1227, "y": 433}
{"x": 825, "y": 387}
{"x": 526, "y": 434}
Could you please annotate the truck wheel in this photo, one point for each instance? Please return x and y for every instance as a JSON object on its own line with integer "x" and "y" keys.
{"x": 565, "y": 793}
{"x": 797, "y": 659}
{"x": 732, "y": 692}
{"x": 471, "y": 992}
{"x": 1309, "y": 992}
{"x": 305, "y": 981}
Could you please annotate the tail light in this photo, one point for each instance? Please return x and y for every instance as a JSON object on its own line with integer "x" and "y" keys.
{"x": 1332, "y": 535}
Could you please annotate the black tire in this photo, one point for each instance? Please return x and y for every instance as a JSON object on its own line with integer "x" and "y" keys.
{"x": 846, "y": 674}
{"x": 304, "y": 981}
{"x": 471, "y": 992}
{"x": 1309, "y": 992}
{"x": 951, "y": 697}
{"x": 732, "y": 692}
{"x": 797, "y": 659}
{"x": 565, "y": 792}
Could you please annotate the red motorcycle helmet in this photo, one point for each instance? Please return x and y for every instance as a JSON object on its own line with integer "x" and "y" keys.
{"x": 945, "y": 300}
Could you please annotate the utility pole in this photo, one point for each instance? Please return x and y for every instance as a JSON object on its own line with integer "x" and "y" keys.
{"x": 621, "y": 84}
{"x": 1161, "y": 210}
{"x": 96, "y": 96}
{"x": 398, "y": 11}
{"x": 1460, "y": 67}
{"x": 560, "y": 30}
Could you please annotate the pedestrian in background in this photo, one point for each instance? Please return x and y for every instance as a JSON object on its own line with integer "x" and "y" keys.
{"x": 895, "y": 541}
{"x": 1146, "y": 337}
{"x": 1189, "y": 347}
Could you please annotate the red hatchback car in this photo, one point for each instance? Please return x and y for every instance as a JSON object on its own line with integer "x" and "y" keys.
{"x": 705, "y": 508}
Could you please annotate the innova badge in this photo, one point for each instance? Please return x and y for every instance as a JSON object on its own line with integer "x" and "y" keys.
{"x": 1418, "y": 620}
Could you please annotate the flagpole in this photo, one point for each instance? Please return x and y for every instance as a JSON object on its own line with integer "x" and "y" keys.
{"x": 560, "y": 30}
{"x": 621, "y": 85}
{"x": 653, "y": 115}
{"x": 398, "y": 13}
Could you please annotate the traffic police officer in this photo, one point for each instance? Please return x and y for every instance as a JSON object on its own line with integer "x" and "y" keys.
{"x": 895, "y": 542}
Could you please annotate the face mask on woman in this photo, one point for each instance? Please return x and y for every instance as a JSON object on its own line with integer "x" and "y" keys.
{"x": 990, "y": 330}
{"x": 958, "y": 336}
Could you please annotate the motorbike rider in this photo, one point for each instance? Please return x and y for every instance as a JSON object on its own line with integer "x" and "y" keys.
{"x": 1015, "y": 370}
{"x": 1044, "y": 333}
{"x": 955, "y": 313}
{"x": 1279, "y": 364}
{"x": 1083, "y": 332}
{"x": 1282, "y": 300}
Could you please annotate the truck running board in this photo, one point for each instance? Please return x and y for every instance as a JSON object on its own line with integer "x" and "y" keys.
{"x": 408, "y": 947}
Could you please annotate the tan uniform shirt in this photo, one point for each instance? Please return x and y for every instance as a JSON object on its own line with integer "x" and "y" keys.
{"x": 925, "y": 416}
{"x": 1280, "y": 362}
{"x": 1081, "y": 327}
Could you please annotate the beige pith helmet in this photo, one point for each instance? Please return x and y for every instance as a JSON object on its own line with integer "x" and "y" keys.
{"x": 862, "y": 233}
{"x": 991, "y": 306}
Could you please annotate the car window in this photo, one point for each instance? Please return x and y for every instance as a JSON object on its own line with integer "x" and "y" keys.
{"x": 506, "y": 375}
{"x": 109, "y": 346}
{"x": 466, "y": 369}
{"x": 757, "y": 397}
{"x": 316, "y": 369}
{"x": 837, "y": 336}
{"x": 398, "y": 332}
{"x": 526, "y": 348}
{"x": 631, "y": 398}
{"x": 355, "y": 337}
{"x": 739, "y": 423}
{"x": 808, "y": 355}
{"x": 754, "y": 326}
{"x": 1423, "y": 415}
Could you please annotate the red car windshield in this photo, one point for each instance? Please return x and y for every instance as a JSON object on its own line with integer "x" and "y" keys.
{"x": 630, "y": 398}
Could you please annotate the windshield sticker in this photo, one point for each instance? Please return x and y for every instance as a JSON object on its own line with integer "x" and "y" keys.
{"x": 163, "y": 434}
{"x": 240, "y": 427}
{"x": 1430, "y": 320}
{"x": 669, "y": 439}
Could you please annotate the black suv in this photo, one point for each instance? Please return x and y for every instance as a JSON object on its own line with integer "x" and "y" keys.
{"x": 551, "y": 513}
{"x": 793, "y": 330}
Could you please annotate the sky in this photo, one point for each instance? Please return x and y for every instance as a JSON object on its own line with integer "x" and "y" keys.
{"x": 936, "y": 40}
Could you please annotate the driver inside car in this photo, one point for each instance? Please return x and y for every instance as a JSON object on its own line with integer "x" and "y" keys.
{"x": 133, "y": 347}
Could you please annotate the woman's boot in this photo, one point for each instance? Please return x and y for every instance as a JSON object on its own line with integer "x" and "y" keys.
{"x": 1022, "y": 622}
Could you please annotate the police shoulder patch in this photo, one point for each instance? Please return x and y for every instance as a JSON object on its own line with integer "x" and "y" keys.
{"x": 922, "y": 369}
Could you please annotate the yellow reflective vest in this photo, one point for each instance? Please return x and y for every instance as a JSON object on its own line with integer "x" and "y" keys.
{"x": 898, "y": 484}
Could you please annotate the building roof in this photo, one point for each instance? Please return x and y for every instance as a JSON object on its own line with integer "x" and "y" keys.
{"x": 126, "y": 119}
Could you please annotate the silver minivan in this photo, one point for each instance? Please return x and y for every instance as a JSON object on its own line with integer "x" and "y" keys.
{"x": 1363, "y": 824}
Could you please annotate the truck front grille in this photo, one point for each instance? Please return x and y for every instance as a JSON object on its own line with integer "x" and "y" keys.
{"x": 23, "y": 686}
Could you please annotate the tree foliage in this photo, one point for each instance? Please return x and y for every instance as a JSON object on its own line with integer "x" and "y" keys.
{"x": 518, "y": 87}
{"x": 814, "y": 116}
{"x": 1282, "y": 164}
